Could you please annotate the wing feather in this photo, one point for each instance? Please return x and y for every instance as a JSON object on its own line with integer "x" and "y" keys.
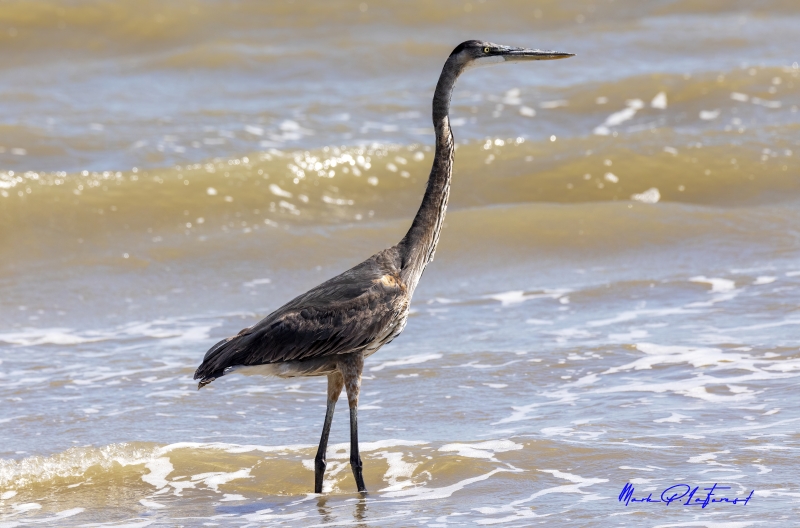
{"x": 344, "y": 314}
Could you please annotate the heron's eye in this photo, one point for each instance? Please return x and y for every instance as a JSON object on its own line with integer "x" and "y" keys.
{"x": 486, "y": 50}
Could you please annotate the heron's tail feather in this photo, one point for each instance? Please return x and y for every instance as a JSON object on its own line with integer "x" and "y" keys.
{"x": 208, "y": 379}
{"x": 215, "y": 362}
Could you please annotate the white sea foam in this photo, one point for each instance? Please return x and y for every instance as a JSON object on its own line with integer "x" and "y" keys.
{"x": 534, "y": 321}
{"x": 170, "y": 393}
{"x": 410, "y": 360}
{"x": 370, "y": 406}
{"x": 267, "y": 515}
{"x": 178, "y": 330}
{"x": 570, "y": 432}
{"x": 51, "y": 336}
{"x": 764, "y": 280}
{"x": 342, "y": 450}
{"x": 256, "y": 282}
{"x": 517, "y": 515}
{"x": 696, "y": 386}
{"x": 709, "y": 524}
{"x": 431, "y": 493}
{"x": 659, "y": 101}
{"x": 523, "y": 412}
{"x": 400, "y": 472}
{"x": 159, "y": 468}
{"x": 230, "y": 497}
{"x": 28, "y": 506}
{"x": 519, "y": 509}
{"x": 214, "y": 479}
{"x": 151, "y": 504}
{"x": 510, "y": 297}
{"x": 630, "y": 315}
{"x": 51, "y": 520}
{"x": 665, "y": 355}
{"x": 476, "y": 365}
{"x": 484, "y": 450}
{"x": 519, "y": 296}
{"x": 617, "y": 118}
{"x": 673, "y": 418}
{"x": 707, "y": 457}
{"x": 717, "y": 285}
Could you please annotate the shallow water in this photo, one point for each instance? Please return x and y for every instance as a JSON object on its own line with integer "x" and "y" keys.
{"x": 614, "y": 299}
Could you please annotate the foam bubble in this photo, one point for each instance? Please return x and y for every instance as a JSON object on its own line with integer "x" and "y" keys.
{"x": 650, "y": 196}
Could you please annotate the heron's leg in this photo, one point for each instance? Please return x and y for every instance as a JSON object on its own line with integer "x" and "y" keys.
{"x": 335, "y": 384}
{"x": 351, "y": 367}
{"x": 355, "y": 457}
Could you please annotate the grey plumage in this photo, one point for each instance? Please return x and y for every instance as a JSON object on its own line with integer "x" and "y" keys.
{"x": 345, "y": 314}
{"x": 333, "y": 327}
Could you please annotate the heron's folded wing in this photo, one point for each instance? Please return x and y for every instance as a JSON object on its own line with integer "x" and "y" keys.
{"x": 322, "y": 329}
{"x": 342, "y": 315}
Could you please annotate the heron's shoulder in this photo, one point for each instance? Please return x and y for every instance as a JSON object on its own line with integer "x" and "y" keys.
{"x": 363, "y": 276}
{"x": 374, "y": 280}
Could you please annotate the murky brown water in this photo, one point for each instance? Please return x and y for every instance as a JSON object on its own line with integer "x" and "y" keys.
{"x": 615, "y": 298}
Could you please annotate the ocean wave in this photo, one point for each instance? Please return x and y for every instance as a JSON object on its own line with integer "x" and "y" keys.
{"x": 163, "y": 467}
{"x": 130, "y": 24}
{"x": 353, "y": 184}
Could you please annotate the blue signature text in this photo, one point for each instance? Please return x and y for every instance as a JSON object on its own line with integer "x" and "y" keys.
{"x": 685, "y": 495}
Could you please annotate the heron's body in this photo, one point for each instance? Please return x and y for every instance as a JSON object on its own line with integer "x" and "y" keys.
{"x": 331, "y": 329}
{"x": 356, "y": 312}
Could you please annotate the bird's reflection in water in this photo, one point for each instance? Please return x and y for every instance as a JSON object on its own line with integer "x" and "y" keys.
{"x": 359, "y": 512}
{"x": 324, "y": 510}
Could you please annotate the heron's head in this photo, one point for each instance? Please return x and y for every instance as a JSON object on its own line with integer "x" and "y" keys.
{"x": 473, "y": 53}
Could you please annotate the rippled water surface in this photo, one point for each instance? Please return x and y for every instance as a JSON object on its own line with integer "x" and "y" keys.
{"x": 614, "y": 300}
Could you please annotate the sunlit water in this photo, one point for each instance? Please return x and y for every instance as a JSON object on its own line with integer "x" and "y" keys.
{"x": 614, "y": 300}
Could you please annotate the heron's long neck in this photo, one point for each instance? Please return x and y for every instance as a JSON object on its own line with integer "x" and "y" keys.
{"x": 418, "y": 246}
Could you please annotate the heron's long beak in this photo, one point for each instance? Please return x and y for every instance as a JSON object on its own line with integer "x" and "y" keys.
{"x": 522, "y": 54}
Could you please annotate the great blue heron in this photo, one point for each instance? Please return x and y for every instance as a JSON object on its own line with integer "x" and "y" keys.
{"x": 333, "y": 327}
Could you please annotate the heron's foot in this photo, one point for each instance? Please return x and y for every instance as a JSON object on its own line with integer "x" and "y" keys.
{"x": 319, "y": 473}
{"x": 357, "y": 473}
